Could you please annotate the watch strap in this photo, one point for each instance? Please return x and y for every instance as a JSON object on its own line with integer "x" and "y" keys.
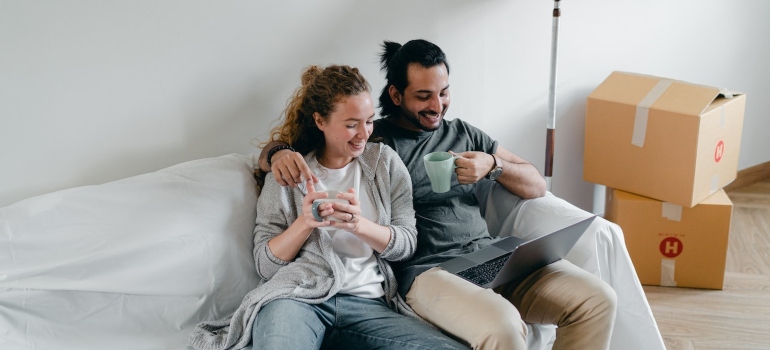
{"x": 496, "y": 169}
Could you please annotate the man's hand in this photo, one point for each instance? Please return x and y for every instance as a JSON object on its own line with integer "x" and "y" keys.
{"x": 290, "y": 169}
{"x": 472, "y": 166}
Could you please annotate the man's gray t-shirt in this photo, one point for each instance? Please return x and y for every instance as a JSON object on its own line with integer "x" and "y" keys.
{"x": 448, "y": 224}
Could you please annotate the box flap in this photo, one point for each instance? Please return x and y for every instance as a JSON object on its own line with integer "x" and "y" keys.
{"x": 624, "y": 88}
{"x": 660, "y": 93}
{"x": 718, "y": 198}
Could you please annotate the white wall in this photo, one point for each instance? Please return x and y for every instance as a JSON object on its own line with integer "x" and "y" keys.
{"x": 93, "y": 91}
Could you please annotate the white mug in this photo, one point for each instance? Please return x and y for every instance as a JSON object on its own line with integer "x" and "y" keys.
{"x": 331, "y": 198}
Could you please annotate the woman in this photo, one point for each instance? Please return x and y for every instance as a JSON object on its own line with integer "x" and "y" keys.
{"x": 327, "y": 283}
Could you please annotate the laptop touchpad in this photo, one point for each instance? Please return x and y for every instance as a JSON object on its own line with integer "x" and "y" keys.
{"x": 485, "y": 254}
{"x": 457, "y": 264}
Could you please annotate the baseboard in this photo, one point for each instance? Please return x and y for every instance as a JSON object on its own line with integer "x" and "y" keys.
{"x": 750, "y": 176}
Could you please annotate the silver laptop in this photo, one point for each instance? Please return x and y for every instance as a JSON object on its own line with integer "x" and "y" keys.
{"x": 513, "y": 258}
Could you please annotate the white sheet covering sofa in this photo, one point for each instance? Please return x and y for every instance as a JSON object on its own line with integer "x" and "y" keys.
{"x": 136, "y": 263}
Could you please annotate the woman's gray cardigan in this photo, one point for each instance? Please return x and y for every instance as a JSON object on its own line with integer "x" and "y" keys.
{"x": 316, "y": 274}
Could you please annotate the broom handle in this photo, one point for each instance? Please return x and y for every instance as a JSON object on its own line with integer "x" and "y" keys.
{"x": 551, "y": 125}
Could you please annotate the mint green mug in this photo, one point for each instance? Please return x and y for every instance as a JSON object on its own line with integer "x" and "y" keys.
{"x": 440, "y": 167}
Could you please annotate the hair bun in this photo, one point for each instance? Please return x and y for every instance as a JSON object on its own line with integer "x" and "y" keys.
{"x": 389, "y": 49}
{"x": 310, "y": 74}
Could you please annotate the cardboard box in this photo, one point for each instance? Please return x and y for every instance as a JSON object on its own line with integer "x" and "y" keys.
{"x": 671, "y": 245}
{"x": 660, "y": 138}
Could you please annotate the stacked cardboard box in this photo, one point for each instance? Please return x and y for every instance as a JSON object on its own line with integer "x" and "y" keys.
{"x": 665, "y": 149}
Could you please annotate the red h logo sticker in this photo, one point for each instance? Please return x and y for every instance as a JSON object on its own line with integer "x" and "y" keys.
{"x": 719, "y": 151}
{"x": 671, "y": 247}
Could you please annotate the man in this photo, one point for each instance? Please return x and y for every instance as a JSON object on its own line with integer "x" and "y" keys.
{"x": 413, "y": 105}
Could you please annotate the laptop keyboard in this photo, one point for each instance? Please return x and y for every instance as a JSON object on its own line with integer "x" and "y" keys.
{"x": 484, "y": 273}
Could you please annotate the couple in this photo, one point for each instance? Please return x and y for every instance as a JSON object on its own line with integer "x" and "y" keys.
{"x": 332, "y": 283}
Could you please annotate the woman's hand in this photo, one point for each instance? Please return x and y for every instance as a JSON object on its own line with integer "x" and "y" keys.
{"x": 324, "y": 210}
{"x": 349, "y": 213}
{"x": 373, "y": 234}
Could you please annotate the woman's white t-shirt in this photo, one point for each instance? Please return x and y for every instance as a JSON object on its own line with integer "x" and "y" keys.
{"x": 362, "y": 275}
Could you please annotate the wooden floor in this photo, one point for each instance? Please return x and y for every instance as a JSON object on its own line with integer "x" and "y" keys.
{"x": 737, "y": 317}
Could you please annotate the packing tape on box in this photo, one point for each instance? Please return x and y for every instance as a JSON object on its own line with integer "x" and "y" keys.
{"x": 714, "y": 184}
{"x": 672, "y": 211}
{"x": 726, "y": 93}
{"x": 643, "y": 111}
{"x": 668, "y": 266}
{"x": 667, "y": 269}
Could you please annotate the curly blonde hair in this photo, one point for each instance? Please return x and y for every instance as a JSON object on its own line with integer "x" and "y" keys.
{"x": 320, "y": 92}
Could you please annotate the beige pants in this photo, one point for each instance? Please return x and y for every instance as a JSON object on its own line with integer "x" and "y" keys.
{"x": 580, "y": 304}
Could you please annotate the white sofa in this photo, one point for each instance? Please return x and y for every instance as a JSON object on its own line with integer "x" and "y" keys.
{"x": 136, "y": 263}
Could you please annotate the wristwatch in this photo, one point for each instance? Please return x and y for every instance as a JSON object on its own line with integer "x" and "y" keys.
{"x": 496, "y": 171}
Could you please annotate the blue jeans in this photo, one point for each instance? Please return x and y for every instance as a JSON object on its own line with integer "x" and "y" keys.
{"x": 343, "y": 322}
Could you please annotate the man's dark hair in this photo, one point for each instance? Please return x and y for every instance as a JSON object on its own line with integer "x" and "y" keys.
{"x": 395, "y": 60}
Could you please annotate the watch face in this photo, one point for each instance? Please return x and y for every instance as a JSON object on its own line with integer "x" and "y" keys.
{"x": 498, "y": 169}
{"x": 495, "y": 173}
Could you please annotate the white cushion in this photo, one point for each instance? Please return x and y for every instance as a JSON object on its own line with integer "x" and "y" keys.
{"x": 130, "y": 264}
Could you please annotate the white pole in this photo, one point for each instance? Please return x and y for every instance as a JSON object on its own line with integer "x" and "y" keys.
{"x": 551, "y": 124}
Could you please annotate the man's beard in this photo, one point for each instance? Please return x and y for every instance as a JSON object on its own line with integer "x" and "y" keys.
{"x": 414, "y": 119}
